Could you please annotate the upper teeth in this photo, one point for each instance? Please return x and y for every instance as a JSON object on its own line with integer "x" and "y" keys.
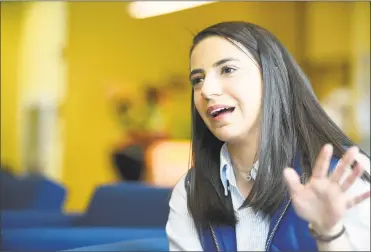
{"x": 218, "y": 110}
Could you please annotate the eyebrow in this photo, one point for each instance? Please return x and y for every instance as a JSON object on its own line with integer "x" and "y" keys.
{"x": 218, "y": 63}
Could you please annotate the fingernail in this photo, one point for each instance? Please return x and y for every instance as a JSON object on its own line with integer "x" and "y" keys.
{"x": 328, "y": 147}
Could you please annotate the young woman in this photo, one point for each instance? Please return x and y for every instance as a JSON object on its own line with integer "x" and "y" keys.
{"x": 254, "y": 116}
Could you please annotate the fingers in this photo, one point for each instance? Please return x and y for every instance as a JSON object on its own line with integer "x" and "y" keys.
{"x": 321, "y": 167}
{"x": 358, "y": 199}
{"x": 292, "y": 180}
{"x": 344, "y": 163}
{"x": 356, "y": 173}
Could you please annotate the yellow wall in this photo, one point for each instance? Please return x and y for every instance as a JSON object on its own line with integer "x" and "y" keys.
{"x": 11, "y": 20}
{"x": 360, "y": 62}
{"x": 337, "y": 32}
{"x": 327, "y": 40}
{"x": 360, "y": 29}
{"x": 106, "y": 45}
{"x": 328, "y": 25}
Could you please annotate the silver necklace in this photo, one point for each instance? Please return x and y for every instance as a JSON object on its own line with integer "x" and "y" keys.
{"x": 253, "y": 172}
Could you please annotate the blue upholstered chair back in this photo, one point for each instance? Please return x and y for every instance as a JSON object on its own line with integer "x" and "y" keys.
{"x": 47, "y": 194}
{"x": 33, "y": 192}
{"x": 128, "y": 204}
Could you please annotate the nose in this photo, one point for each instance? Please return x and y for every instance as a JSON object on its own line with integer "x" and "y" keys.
{"x": 211, "y": 87}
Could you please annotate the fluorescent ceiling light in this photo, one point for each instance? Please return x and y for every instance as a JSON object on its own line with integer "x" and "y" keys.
{"x": 148, "y": 9}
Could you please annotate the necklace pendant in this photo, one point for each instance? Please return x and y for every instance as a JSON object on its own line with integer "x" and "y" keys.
{"x": 249, "y": 177}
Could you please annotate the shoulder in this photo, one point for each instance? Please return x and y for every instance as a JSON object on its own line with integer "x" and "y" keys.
{"x": 179, "y": 192}
{"x": 180, "y": 228}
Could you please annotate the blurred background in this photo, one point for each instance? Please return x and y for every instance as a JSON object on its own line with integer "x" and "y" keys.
{"x": 96, "y": 93}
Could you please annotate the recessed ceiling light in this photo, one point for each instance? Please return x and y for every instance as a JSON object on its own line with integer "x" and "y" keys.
{"x": 148, "y": 9}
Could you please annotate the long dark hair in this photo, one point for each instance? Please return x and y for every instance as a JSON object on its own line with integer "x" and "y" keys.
{"x": 292, "y": 124}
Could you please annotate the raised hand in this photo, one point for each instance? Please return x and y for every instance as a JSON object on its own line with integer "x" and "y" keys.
{"x": 322, "y": 201}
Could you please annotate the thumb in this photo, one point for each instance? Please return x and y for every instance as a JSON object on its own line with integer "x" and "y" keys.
{"x": 292, "y": 180}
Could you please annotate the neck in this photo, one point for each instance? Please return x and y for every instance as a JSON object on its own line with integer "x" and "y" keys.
{"x": 244, "y": 153}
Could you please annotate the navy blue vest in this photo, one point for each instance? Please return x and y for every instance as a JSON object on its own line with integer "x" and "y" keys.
{"x": 287, "y": 232}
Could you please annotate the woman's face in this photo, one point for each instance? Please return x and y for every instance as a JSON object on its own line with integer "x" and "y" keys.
{"x": 227, "y": 88}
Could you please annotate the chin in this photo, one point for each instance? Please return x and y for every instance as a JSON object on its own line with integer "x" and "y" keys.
{"x": 225, "y": 135}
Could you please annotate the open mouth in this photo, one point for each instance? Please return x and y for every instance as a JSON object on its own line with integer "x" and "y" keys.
{"x": 220, "y": 111}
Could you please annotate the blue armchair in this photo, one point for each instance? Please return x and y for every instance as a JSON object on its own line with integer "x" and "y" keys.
{"x": 32, "y": 192}
{"x": 151, "y": 244}
{"x": 118, "y": 212}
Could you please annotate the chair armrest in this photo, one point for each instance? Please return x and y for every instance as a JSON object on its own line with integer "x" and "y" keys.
{"x": 31, "y": 218}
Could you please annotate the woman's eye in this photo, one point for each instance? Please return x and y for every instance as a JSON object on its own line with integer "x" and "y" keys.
{"x": 196, "y": 81}
{"x": 228, "y": 70}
